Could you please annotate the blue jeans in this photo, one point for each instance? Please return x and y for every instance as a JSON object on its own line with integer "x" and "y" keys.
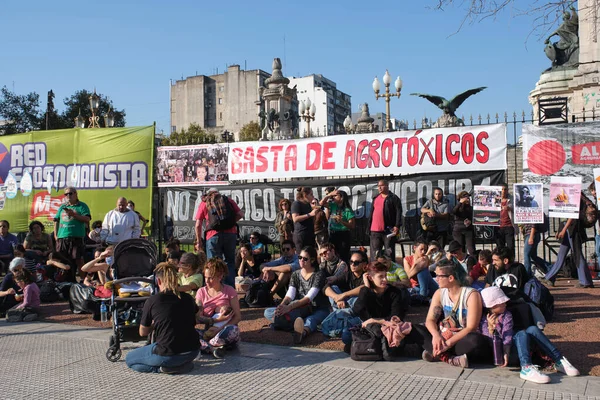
{"x": 349, "y": 301}
{"x": 522, "y": 339}
{"x": 574, "y": 244}
{"x": 222, "y": 245}
{"x": 427, "y": 286}
{"x": 311, "y": 322}
{"x": 143, "y": 359}
{"x": 530, "y": 254}
{"x": 597, "y": 240}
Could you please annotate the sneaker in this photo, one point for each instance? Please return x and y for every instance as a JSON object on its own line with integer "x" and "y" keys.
{"x": 427, "y": 356}
{"x": 459, "y": 361}
{"x": 219, "y": 353}
{"x": 581, "y": 286}
{"x": 30, "y": 317}
{"x": 14, "y": 316}
{"x": 182, "y": 369}
{"x": 547, "y": 282}
{"x": 347, "y": 348}
{"x": 563, "y": 365}
{"x": 299, "y": 332}
{"x": 531, "y": 373}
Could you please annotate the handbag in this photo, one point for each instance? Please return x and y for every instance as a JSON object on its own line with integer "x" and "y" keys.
{"x": 428, "y": 223}
{"x": 454, "y": 321}
{"x": 366, "y": 346}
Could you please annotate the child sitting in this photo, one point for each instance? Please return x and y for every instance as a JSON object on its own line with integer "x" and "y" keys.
{"x": 30, "y": 299}
{"x": 498, "y": 319}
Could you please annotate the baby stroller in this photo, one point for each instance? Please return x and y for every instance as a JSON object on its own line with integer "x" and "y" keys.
{"x": 134, "y": 261}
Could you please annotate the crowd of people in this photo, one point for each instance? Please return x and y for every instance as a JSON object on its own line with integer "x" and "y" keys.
{"x": 318, "y": 282}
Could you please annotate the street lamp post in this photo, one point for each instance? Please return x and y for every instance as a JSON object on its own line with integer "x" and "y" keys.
{"x": 348, "y": 125}
{"x": 94, "y": 105}
{"x": 109, "y": 119}
{"x": 227, "y": 136}
{"x": 307, "y": 113}
{"x": 387, "y": 79}
{"x": 79, "y": 121}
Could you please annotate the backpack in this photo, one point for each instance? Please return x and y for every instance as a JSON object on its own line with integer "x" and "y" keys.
{"x": 428, "y": 223}
{"x": 337, "y": 321}
{"x": 366, "y": 346}
{"x": 49, "y": 293}
{"x": 221, "y": 215}
{"x": 541, "y": 296}
{"x": 259, "y": 294}
{"x": 588, "y": 214}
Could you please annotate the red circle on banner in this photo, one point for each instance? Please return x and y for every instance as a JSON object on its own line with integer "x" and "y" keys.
{"x": 546, "y": 157}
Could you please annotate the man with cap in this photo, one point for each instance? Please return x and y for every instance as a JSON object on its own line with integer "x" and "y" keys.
{"x": 455, "y": 252}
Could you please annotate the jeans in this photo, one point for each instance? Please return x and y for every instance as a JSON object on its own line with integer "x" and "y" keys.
{"x": 427, "y": 286}
{"x": 311, "y": 322}
{"x": 143, "y": 359}
{"x": 572, "y": 243}
{"x": 522, "y": 338}
{"x": 223, "y": 245}
{"x": 505, "y": 237}
{"x": 530, "y": 254}
{"x": 597, "y": 240}
{"x": 465, "y": 236}
{"x": 379, "y": 240}
{"x": 349, "y": 301}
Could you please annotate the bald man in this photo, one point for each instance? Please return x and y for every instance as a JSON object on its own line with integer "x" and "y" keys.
{"x": 121, "y": 223}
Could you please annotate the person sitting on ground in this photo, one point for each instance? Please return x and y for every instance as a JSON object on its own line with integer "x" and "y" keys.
{"x": 257, "y": 246}
{"x": 377, "y": 302}
{"x": 210, "y": 299}
{"x": 171, "y": 315}
{"x": 455, "y": 252}
{"x": 499, "y": 321}
{"x": 31, "y": 258}
{"x": 173, "y": 257}
{"x": 9, "y": 288}
{"x": 416, "y": 267}
{"x": 332, "y": 265}
{"x": 172, "y": 245}
{"x": 8, "y": 242}
{"x": 57, "y": 268}
{"x": 38, "y": 241}
{"x": 480, "y": 269}
{"x": 247, "y": 265}
{"x": 435, "y": 254}
{"x": 280, "y": 270}
{"x": 99, "y": 266}
{"x": 29, "y": 301}
{"x": 396, "y": 275}
{"x": 189, "y": 277}
{"x": 304, "y": 303}
{"x": 455, "y": 339}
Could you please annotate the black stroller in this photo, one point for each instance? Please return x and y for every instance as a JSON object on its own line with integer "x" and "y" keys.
{"x": 134, "y": 261}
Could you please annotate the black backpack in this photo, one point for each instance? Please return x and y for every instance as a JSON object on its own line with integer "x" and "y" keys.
{"x": 49, "y": 293}
{"x": 366, "y": 346}
{"x": 221, "y": 215}
{"x": 259, "y": 294}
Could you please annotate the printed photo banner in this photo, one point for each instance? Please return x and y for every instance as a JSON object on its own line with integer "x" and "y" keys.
{"x": 486, "y": 205}
{"x": 103, "y": 164}
{"x": 565, "y": 195}
{"x": 528, "y": 203}
{"x": 197, "y": 165}
{"x": 259, "y": 201}
{"x": 480, "y": 148}
{"x": 560, "y": 150}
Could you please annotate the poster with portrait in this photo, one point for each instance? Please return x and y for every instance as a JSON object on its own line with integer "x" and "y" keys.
{"x": 565, "y": 193}
{"x": 487, "y": 205}
{"x": 195, "y": 165}
{"x": 528, "y": 203}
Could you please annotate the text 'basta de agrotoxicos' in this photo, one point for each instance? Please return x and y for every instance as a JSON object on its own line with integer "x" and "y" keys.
{"x": 109, "y": 175}
{"x": 411, "y": 151}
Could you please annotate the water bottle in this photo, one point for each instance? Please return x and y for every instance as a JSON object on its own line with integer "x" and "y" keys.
{"x": 498, "y": 350}
{"x": 103, "y": 312}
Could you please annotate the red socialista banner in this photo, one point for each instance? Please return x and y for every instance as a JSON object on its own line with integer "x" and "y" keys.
{"x": 457, "y": 149}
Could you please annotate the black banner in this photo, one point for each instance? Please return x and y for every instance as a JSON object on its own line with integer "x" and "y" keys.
{"x": 259, "y": 200}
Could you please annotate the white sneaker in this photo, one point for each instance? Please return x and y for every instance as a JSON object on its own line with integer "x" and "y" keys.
{"x": 531, "y": 373}
{"x": 563, "y": 365}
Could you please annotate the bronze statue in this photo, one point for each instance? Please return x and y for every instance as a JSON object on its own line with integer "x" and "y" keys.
{"x": 449, "y": 117}
{"x": 263, "y": 119}
{"x": 565, "y": 52}
{"x": 272, "y": 118}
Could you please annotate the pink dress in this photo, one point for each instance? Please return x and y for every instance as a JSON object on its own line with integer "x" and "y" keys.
{"x": 211, "y": 304}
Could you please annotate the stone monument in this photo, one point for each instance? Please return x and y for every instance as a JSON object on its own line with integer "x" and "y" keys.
{"x": 574, "y": 73}
{"x": 365, "y": 122}
{"x": 278, "y": 106}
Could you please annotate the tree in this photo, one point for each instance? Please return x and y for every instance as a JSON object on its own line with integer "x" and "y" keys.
{"x": 250, "y": 132}
{"x": 545, "y": 13}
{"x": 80, "y": 102}
{"x": 193, "y": 135}
{"x": 20, "y": 113}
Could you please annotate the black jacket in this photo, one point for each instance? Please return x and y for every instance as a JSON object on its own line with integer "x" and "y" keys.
{"x": 392, "y": 211}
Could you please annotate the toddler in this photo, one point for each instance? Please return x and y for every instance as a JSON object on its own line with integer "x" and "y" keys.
{"x": 220, "y": 319}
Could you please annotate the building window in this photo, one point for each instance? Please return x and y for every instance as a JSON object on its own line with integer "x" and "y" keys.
{"x": 220, "y": 100}
{"x": 221, "y": 88}
{"x": 173, "y": 129}
{"x": 220, "y": 116}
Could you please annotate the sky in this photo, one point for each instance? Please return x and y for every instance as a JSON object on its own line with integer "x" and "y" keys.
{"x": 130, "y": 50}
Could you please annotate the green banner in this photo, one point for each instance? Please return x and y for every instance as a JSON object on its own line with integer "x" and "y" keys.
{"x": 103, "y": 164}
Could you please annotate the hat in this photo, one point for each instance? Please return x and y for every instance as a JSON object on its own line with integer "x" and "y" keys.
{"x": 492, "y": 296}
{"x": 454, "y": 246}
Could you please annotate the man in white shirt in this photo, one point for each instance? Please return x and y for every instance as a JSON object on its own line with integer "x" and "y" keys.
{"x": 121, "y": 223}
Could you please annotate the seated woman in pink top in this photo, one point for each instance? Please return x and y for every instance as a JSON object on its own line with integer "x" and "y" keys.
{"x": 29, "y": 300}
{"x": 211, "y": 299}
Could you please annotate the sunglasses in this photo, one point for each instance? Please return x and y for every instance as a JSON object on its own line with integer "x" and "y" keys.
{"x": 253, "y": 237}
{"x": 286, "y": 248}
{"x": 303, "y": 258}
{"x": 356, "y": 262}
{"x": 69, "y": 193}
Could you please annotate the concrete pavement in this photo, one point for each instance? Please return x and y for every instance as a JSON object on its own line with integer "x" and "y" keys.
{"x": 58, "y": 361}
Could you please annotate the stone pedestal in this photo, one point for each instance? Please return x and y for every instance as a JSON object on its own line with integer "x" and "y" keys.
{"x": 279, "y": 103}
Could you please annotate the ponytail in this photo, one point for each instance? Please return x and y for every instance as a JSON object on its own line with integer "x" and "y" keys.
{"x": 168, "y": 276}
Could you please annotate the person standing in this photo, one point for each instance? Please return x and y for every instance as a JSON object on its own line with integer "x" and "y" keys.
{"x": 143, "y": 221}
{"x": 341, "y": 222}
{"x": 303, "y": 216}
{"x": 70, "y": 224}
{"x": 221, "y": 214}
{"x": 385, "y": 221}
{"x": 463, "y": 231}
{"x": 283, "y": 222}
{"x": 121, "y": 223}
{"x": 438, "y": 209}
{"x": 505, "y": 234}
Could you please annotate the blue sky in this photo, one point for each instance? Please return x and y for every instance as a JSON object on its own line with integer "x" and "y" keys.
{"x": 130, "y": 50}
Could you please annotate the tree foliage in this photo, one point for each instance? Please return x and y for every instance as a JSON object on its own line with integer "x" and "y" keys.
{"x": 544, "y": 14}
{"x": 80, "y": 101}
{"x": 250, "y": 132}
{"x": 20, "y": 113}
{"x": 193, "y": 135}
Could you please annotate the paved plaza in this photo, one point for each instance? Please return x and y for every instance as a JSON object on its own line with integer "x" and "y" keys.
{"x": 59, "y": 361}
